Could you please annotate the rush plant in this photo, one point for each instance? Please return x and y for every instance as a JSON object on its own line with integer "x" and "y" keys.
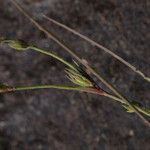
{"x": 78, "y": 71}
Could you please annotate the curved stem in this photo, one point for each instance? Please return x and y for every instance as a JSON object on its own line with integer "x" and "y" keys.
{"x": 53, "y": 55}
{"x": 91, "y": 90}
{"x": 63, "y": 87}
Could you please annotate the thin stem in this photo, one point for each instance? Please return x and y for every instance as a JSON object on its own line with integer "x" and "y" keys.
{"x": 62, "y": 87}
{"x": 114, "y": 98}
{"x": 48, "y": 33}
{"x": 69, "y": 50}
{"x": 52, "y": 55}
{"x": 99, "y": 46}
{"x": 119, "y": 95}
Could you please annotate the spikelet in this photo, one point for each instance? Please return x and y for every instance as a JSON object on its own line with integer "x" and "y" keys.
{"x": 77, "y": 78}
{"x": 16, "y": 44}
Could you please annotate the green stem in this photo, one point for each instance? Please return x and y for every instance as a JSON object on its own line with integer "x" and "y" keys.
{"x": 82, "y": 89}
{"x": 140, "y": 108}
{"x": 62, "y": 87}
{"x": 54, "y": 56}
{"x": 114, "y": 98}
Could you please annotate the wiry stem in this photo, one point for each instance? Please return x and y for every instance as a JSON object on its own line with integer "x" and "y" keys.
{"x": 114, "y": 98}
{"x": 53, "y": 55}
{"x": 22, "y": 46}
{"x": 65, "y": 47}
{"x": 101, "y": 47}
{"x": 6, "y": 89}
{"x": 61, "y": 87}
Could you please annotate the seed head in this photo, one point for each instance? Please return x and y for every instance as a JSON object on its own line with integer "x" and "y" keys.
{"x": 77, "y": 78}
{"x": 16, "y": 44}
{"x": 5, "y": 88}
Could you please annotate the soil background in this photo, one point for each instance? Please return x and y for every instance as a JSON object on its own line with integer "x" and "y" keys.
{"x": 53, "y": 119}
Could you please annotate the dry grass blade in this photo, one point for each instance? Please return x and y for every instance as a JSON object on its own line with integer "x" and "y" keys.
{"x": 99, "y": 46}
{"x": 69, "y": 50}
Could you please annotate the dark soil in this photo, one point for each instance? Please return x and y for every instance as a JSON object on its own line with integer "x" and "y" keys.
{"x": 52, "y": 119}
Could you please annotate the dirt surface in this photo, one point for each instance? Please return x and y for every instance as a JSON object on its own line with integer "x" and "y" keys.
{"x": 52, "y": 119}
